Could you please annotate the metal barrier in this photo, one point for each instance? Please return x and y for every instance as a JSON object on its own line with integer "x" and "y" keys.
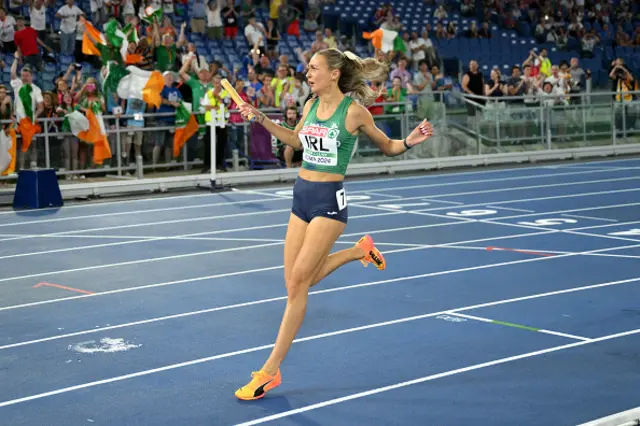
{"x": 549, "y": 122}
{"x": 469, "y": 131}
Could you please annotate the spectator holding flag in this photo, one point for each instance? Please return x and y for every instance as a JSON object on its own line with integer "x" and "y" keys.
{"x": 171, "y": 100}
{"x": 29, "y": 105}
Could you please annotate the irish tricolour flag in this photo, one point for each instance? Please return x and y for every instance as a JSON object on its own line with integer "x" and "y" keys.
{"x": 114, "y": 34}
{"x": 186, "y": 126}
{"x": 8, "y": 151}
{"x": 133, "y": 83}
{"x": 25, "y": 108}
{"x": 150, "y": 14}
{"x": 385, "y": 40}
{"x": 90, "y": 128}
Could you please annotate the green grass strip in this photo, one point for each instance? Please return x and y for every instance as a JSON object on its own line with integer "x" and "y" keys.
{"x": 509, "y": 324}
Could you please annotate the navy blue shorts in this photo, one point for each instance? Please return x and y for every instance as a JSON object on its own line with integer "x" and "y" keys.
{"x": 319, "y": 199}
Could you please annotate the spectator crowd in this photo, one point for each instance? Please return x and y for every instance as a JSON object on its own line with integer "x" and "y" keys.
{"x": 265, "y": 78}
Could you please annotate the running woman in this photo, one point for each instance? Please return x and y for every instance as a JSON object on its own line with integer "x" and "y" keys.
{"x": 327, "y": 132}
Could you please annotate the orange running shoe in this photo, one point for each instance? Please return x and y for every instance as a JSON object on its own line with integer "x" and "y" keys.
{"x": 260, "y": 384}
{"x": 371, "y": 253}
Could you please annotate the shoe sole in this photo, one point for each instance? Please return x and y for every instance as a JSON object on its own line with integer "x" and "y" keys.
{"x": 261, "y": 396}
{"x": 373, "y": 255}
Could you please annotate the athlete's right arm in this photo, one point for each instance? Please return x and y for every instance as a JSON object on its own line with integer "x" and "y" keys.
{"x": 289, "y": 137}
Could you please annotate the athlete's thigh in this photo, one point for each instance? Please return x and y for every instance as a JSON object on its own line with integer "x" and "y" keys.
{"x": 293, "y": 243}
{"x": 320, "y": 237}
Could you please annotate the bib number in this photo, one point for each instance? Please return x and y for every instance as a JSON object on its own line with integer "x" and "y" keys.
{"x": 322, "y": 151}
{"x": 341, "y": 197}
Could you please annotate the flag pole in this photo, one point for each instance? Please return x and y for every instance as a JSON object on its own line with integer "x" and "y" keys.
{"x": 217, "y": 120}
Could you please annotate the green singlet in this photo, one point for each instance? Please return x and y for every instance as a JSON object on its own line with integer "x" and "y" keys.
{"x": 328, "y": 146}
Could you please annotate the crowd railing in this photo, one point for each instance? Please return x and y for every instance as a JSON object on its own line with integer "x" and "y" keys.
{"x": 469, "y": 130}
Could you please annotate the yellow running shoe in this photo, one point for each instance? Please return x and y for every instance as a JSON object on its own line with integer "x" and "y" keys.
{"x": 260, "y": 384}
{"x": 371, "y": 253}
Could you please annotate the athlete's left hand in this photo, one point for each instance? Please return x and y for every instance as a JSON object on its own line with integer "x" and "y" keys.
{"x": 420, "y": 134}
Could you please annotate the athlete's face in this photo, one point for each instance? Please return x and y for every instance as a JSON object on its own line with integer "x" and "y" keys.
{"x": 320, "y": 77}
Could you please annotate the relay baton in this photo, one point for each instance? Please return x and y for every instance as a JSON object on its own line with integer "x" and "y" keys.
{"x": 234, "y": 95}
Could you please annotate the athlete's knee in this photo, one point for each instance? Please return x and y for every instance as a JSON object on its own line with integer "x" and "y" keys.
{"x": 297, "y": 284}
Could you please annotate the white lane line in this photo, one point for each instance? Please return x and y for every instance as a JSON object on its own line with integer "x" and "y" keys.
{"x": 127, "y": 213}
{"x": 224, "y": 275}
{"x": 573, "y": 231}
{"x": 582, "y": 209}
{"x": 162, "y": 222}
{"x": 503, "y": 237}
{"x": 471, "y": 317}
{"x": 135, "y": 262}
{"x": 349, "y": 182}
{"x": 145, "y": 239}
{"x": 455, "y": 203}
{"x": 568, "y": 336}
{"x": 505, "y": 179}
{"x": 414, "y": 212}
{"x": 179, "y": 237}
{"x": 286, "y": 210}
{"x": 391, "y": 211}
{"x": 589, "y": 217}
{"x": 498, "y": 221}
{"x": 434, "y": 377}
{"x": 515, "y": 189}
{"x": 381, "y": 195}
{"x": 510, "y": 208}
{"x": 91, "y": 236}
{"x": 329, "y": 290}
{"x": 520, "y": 200}
{"x": 601, "y": 168}
{"x": 542, "y": 250}
{"x": 504, "y": 323}
{"x": 260, "y": 246}
{"x": 110, "y": 203}
{"x": 317, "y": 337}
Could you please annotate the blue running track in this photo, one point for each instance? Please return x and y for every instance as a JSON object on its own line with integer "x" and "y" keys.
{"x": 511, "y": 297}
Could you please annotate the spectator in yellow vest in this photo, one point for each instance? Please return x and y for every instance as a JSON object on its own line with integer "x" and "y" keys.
{"x": 278, "y": 84}
{"x": 215, "y": 97}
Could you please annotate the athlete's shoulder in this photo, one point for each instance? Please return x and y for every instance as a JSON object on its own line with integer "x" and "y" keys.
{"x": 356, "y": 108}
{"x": 357, "y": 115}
{"x": 309, "y": 104}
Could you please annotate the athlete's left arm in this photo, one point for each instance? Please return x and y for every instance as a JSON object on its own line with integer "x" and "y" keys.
{"x": 360, "y": 118}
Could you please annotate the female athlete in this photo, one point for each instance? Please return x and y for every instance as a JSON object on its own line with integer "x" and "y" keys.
{"x": 327, "y": 132}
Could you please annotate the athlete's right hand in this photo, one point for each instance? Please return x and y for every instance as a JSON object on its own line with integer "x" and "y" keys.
{"x": 248, "y": 112}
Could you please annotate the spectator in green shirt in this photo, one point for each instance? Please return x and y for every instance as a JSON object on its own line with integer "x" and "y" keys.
{"x": 395, "y": 94}
{"x": 200, "y": 83}
{"x": 166, "y": 50}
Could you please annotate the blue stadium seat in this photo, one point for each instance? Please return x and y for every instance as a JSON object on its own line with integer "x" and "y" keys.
{"x": 66, "y": 60}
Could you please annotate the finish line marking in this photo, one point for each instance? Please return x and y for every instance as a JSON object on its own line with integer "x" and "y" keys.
{"x": 537, "y": 253}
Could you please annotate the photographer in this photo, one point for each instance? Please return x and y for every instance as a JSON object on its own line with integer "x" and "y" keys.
{"x": 624, "y": 83}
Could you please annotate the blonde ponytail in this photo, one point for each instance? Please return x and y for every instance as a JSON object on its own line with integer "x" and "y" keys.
{"x": 355, "y": 72}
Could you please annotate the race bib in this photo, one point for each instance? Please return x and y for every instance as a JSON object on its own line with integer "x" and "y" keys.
{"x": 320, "y": 145}
{"x": 341, "y": 198}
